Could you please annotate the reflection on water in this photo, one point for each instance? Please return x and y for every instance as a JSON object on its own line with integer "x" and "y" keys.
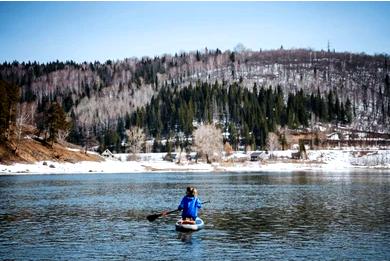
{"x": 300, "y": 215}
{"x": 185, "y": 237}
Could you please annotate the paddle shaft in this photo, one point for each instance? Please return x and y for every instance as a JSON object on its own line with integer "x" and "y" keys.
{"x": 172, "y": 211}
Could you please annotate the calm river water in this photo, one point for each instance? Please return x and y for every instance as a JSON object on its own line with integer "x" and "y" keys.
{"x": 286, "y": 216}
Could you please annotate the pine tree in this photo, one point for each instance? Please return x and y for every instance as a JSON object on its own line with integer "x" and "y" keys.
{"x": 245, "y": 134}
{"x": 8, "y": 107}
{"x": 232, "y": 57}
{"x": 197, "y": 56}
{"x": 233, "y": 136}
{"x": 3, "y": 111}
{"x": 348, "y": 111}
{"x": 337, "y": 110}
{"x": 330, "y": 106}
{"x": 13, "y": 93}
{"x": 56, "y": 121}
{"x": 121, "y": 129}
{"x": 292, "y": 120}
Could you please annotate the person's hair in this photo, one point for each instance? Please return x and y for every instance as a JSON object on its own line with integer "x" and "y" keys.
{"x": 192, "y": 192}
{"x": 189, "y": 191}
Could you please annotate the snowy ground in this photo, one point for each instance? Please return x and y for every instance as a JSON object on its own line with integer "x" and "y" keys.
{"x": 320, "y": 160}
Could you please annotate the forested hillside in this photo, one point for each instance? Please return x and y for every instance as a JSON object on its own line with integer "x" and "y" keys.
{"x": 248, "y": 114}
{"x": 249, "y": 91}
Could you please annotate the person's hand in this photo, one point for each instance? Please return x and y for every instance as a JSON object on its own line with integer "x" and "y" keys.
{"x": 164, "y": 213}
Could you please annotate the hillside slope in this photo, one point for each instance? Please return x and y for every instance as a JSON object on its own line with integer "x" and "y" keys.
{"x": 31, "y": 151}
{"x": 99, "y": 95}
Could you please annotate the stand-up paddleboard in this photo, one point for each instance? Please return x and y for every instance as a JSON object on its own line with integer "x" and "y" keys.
{"x": 199, "y": 224}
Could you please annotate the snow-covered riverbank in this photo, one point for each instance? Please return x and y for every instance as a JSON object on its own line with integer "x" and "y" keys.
{"x": 319, "y": 160}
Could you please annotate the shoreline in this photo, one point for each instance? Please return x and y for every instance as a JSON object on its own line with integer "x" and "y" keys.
{"x": 321, "y": 161}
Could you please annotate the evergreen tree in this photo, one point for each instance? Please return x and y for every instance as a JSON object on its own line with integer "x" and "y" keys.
{"x": 246, "y": 136}
{"x": 3, "y": 111}
{"x": 13, "y": 93}
{"x": 331, "y": 109}
{"x": 232, "y": 57}
{"x": 8, "y": 106}
{"x": 111, "y": 141}
{"x": 197, "y": 56}
{"x": 121, "y": 129}
{"x": 387, "y": 86}
{"x": 337, "y": 110}
{"x": 56, "y": 120}
{"x": 348, "y": 111}
{"x": 233, "y": 136}
{"x": 157, "y": 146}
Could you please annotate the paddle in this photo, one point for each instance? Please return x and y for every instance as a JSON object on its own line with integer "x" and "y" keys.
{"x": 153, "y": 217}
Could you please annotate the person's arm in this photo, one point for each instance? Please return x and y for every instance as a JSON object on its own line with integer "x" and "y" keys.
{"x": 198, "y": 203}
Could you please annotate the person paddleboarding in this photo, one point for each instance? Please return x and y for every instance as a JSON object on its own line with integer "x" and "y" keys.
{"x": 189, "y": 206}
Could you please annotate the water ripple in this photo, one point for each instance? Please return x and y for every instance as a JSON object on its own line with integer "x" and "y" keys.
{"x": 279, "y": 216}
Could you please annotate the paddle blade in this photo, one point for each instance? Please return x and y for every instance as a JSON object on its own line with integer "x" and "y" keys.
{"x": 153, "y": 217}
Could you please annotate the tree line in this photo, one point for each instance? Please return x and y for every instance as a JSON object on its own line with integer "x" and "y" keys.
{"x": 85, "y": 90}
{"x": 49, "y": 118}
{"x": 247, "y": 115}
{"x": 9, "y": 100}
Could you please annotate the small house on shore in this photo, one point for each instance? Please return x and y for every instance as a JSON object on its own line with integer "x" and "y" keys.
{"x": 193, "y": 156}
{"x": 108, "y": 154}
{"x": 170, "y": 157}
{"x": 255, "y": 156}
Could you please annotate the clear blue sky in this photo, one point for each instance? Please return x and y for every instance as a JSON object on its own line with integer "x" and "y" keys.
{"x": 89, "y": 31}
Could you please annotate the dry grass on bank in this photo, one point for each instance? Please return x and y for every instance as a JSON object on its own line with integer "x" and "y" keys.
{"x": 30, "y": 151}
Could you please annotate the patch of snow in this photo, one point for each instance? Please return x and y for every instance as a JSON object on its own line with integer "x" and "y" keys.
{"x": 323, "y": 160}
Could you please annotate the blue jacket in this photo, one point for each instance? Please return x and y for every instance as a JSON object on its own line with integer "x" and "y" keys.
{"x": 190, "y": 206}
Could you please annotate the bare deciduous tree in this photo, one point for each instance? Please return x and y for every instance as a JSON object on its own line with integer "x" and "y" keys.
{"x": 208, "y": 142}
{"x": 24, "y": 115}
{"x": 62, "y": 135}
{"x": 135, "y": 139}
{"x": 148, "y": 147}
{"x": 228, "y": 149}
{"x": 272, "y": 142}
{"x": 181, "y": 158}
